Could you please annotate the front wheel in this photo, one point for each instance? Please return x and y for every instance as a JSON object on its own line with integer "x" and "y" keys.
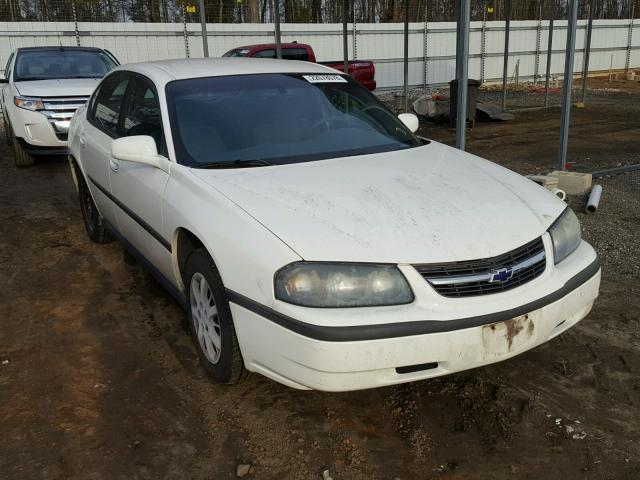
{"x": 21, "y": 158}
{"x": 7, "y": 130}
{"x": 210, "y": 320}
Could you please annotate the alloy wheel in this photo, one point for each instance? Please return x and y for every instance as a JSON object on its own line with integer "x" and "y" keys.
{"x": 204, "y": 314}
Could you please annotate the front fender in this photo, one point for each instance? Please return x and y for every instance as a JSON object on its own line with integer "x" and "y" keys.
{"x": 245, "y": 252}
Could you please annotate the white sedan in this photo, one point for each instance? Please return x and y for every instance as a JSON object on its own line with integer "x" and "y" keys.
{"x": 311, "y": 236}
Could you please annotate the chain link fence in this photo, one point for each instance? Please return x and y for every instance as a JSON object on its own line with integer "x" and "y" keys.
{"x": 139, "y": 30}
{"x": 291, "y": 11}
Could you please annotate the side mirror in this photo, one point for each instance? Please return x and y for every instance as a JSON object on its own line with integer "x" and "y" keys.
{"x": 410, "y": 120}
{"x": 138, "y": 149}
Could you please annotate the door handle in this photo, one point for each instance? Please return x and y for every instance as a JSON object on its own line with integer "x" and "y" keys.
{"x": 114, "y": 164}
{"x": 82, "y": 139}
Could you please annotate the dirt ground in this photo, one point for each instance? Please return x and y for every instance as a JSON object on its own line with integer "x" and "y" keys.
{"x": 99, "y": 379}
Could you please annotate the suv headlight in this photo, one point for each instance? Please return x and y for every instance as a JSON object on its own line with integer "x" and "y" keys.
{"x": 29, "y": 103}
{"x": 320, "y": 284}
{"x": 565, "y": 234}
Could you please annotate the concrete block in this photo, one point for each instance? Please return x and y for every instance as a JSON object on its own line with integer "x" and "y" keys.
{"x": 573, "y": 183}
{"x": 547, "y": 181}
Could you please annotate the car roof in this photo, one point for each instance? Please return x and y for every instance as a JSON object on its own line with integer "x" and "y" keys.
{"x": 64, "y": 47}
{"x": 164, "y": 71}
{"x": 271, "y": 45}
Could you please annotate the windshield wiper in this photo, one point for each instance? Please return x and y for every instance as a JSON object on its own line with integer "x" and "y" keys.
{"x": 235, "y": 164}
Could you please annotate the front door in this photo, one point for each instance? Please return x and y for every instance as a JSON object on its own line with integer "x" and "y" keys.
{"x": 139, "y": 188}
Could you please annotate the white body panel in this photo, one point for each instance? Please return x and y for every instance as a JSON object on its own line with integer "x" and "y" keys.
{"x": 33, "y": 127}
{"x": 427, "y": 204}
{"x": 68, "y": 87}
{"x": 398, "y": 207}
{"x": 343, "y": 366}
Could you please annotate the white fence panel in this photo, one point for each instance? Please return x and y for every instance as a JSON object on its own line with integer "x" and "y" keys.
{"x": 382, "y": 43}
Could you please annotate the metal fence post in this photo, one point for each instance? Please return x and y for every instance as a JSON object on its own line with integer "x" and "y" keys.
{"x": 462, "y": 70}
{"x": 538, "y": 39}
{"x": 185, "y": 31}
{"x": 345, "y": 38}
{"x": 425, "y": 46}
{"x": 276, "y": 22}
{"x": 572, "y": 20}
{"x": 587, "y": 52}
{"x": 406, "y": 55}
{"x": 483, "y": 42}
{"x": 549, "y": 55}
{"x": 75, "y": 21}
{"x": 629, "y": 37}
{"x": 505, "y": 66}
{"x": 203, "y": 23}
{"x": 355, "y": 39}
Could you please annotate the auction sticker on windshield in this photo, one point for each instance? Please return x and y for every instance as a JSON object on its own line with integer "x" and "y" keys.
{"x": 324, "y": 79}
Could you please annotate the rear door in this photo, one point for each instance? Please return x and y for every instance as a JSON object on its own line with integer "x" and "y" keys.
{"x": 138, "y": 188}
{"x": 96, "y": 136}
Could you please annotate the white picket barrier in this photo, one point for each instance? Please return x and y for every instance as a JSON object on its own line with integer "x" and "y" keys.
{"x": 380, "y": 42}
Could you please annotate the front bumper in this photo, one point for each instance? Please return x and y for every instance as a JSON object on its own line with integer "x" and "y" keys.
{"x": 37, "y": 133}
{"x": 339, "y": 358}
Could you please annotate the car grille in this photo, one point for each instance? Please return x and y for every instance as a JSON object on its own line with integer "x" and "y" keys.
{"x": 59, "y": 111}
{"x": 486, "y": 276}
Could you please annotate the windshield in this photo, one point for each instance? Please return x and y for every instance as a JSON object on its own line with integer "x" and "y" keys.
{"x": 62, "y": 63}
{"x": 279, "y": 118}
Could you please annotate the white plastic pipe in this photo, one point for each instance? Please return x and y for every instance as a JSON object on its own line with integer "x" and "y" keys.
{"x": 561, "y": 194}
{"x": 594, "y": 199}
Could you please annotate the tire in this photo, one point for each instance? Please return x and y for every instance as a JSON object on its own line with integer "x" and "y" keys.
{"x": 21, "y": 158}
{"x": 209, "y": 318}
{"x": 90, "y": 216}
{"x": 7, "y": 130}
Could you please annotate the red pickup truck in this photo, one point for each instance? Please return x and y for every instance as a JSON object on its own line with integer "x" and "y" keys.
{"x": 362, "y": 71}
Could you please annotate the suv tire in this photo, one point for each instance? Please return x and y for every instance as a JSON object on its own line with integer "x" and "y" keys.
{"x": 7, "y": 130}
{"x": 21, "y": 158}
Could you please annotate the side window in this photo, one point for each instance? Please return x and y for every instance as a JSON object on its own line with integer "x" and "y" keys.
{"x": 142, "y": 114}
{"x": 107, "y": 104}
{"x": 265, "y": 54}
{"x": 295, "y": 54}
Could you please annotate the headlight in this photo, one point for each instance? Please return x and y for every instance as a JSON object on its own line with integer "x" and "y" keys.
{"x": 565, "y": 234}
{"x": 28, "y": 103}
{"x": 316, "y": 284}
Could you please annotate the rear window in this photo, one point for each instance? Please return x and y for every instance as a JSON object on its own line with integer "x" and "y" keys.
{"x": 237, "y": 52}
{"x": 295, "y": 54}
{"x": 287, "y": 53}
{"x": 62, "y": 63}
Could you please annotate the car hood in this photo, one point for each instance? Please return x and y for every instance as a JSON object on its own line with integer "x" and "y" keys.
{"x": 64, "y": 87}
{"x": 420, "y": 205}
